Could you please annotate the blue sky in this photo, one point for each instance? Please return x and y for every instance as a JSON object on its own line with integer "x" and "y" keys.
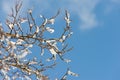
{"x": 96, "y": 39}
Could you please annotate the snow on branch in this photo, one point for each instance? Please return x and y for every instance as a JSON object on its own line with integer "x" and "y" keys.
{"x": 68, "y": 73}
{"x": 16, "y": 45}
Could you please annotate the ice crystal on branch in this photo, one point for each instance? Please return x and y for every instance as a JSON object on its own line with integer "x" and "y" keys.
{"x": 16, "y": 45}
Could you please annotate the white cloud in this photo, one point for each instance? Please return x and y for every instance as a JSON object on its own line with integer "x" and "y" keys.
{"x": 85, "y": 10}
{"x": 115, "y": 1}
{"x": 112, "y": 6}
{"x": 6, "y": 6}
{"x": 88, "y": 21}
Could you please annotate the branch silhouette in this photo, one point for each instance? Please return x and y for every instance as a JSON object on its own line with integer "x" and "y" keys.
{"x": 15, "y": 45}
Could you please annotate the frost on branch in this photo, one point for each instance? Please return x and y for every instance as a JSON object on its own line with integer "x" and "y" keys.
{"x": 68, "y": 73}
{"x": 16, "y": 45}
